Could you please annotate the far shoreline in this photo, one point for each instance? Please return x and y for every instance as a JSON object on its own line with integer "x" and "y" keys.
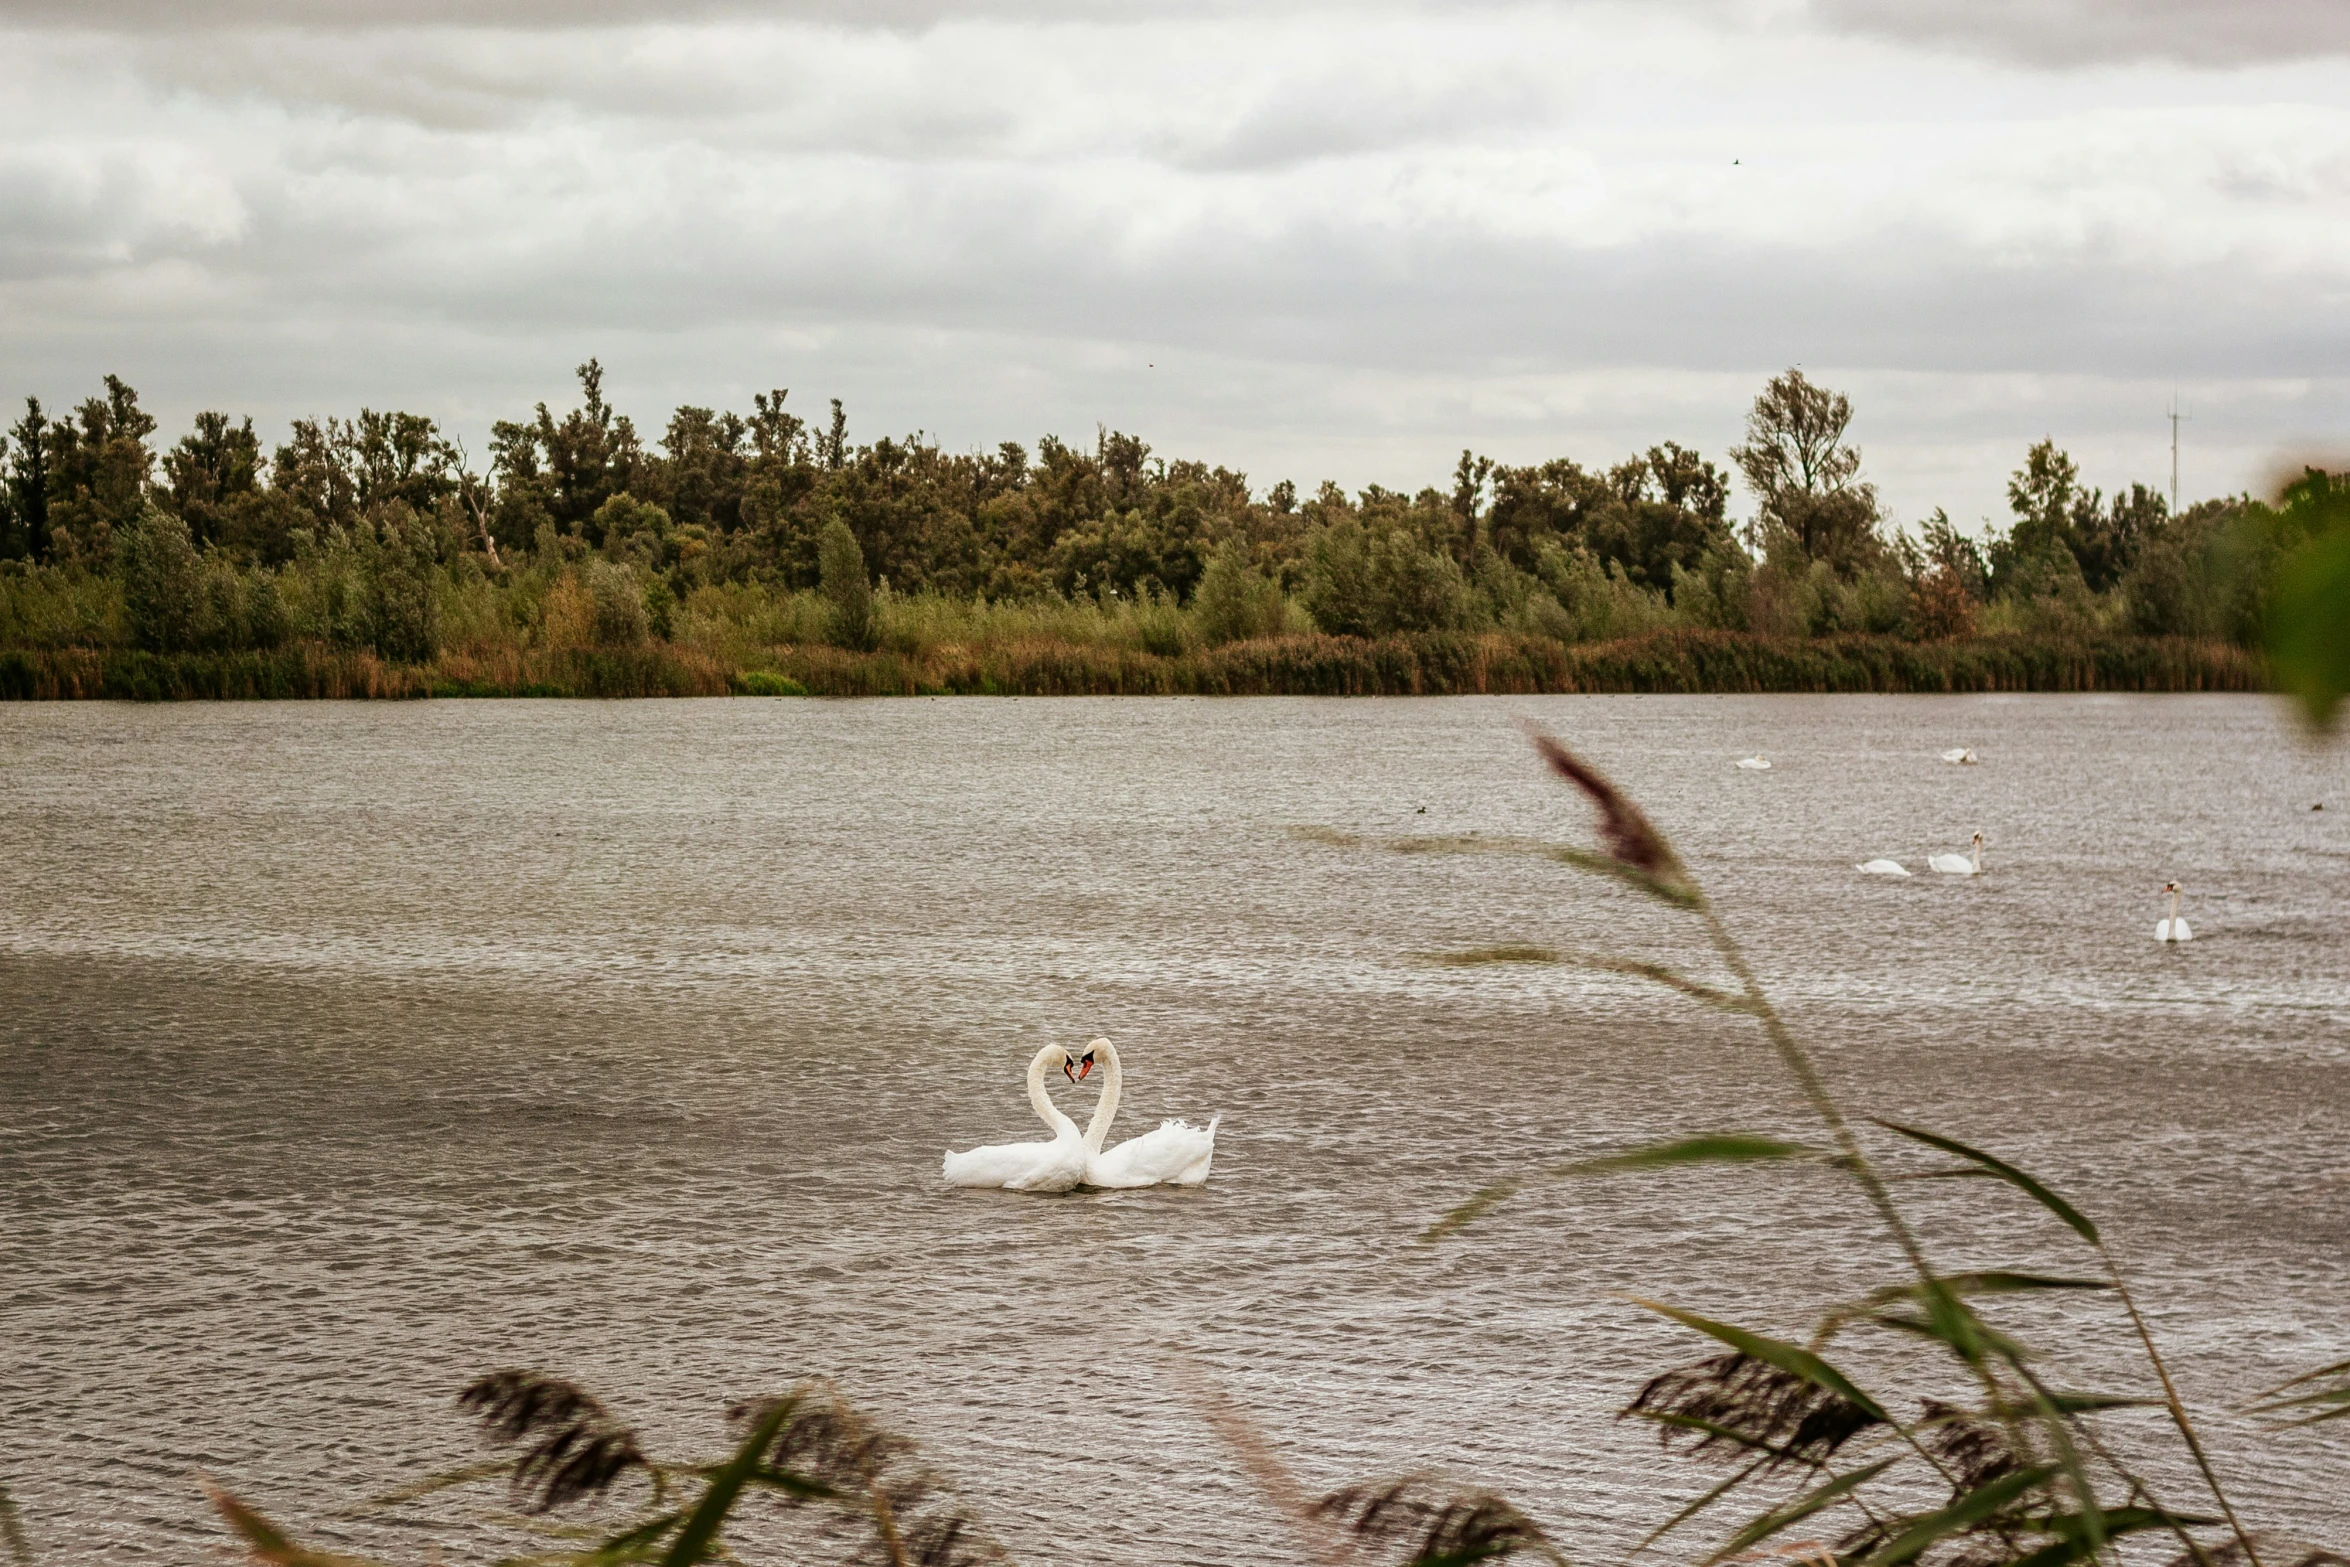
{"x": 1677, "y": 662}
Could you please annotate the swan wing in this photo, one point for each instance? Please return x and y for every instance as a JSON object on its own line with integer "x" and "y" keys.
{"x": 1883, "y": 868}
{"x": 1952, "y": 864}
{"x": 1175, "y": 1153}
{"x": 1019, "y": 1167}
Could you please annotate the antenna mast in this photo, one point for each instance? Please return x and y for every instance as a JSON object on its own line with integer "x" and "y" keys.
{"x": 2175, "y": 417}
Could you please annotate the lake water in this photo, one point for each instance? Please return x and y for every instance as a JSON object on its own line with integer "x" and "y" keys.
{"x": 348, "y": 1051}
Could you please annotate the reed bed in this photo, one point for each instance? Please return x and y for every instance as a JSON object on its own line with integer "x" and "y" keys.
{"x": 1427, "y": 664}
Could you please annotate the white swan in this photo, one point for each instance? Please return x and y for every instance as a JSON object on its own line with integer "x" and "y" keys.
{"x": 1960, "y": 756}
{"x": 1056, "y": 1166}
{"x": 1959, "y": 864}
{"x": 1176, "y": 1154}
{"x": 2174, "y": 928}
{"x": 1754, "y": 764}
{"x": 1882, "y": 868}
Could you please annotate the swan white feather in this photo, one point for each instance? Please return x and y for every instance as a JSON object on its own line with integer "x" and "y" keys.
{"x": 1176, "y": 1153}
{"x": 1882, "y": 868}
{"x": 2173, "y": 928}
{"x": 1960, "y": 864}
{"x": 1960, "y": 756}
{"x": 1056, "y": 1166}
{"x": 1754, "y": 764}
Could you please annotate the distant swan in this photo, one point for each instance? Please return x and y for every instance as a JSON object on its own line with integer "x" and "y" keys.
{"x": 2174, "y": 928}
{"x": 1882, "y": 868}
{"x": 1960, "y": 864}
{"x": 1056, "y": 1166}
{"x": 1960, "y": 756}
{"x": 1754, "y": 764}
{"x": 1177, "y": 1154}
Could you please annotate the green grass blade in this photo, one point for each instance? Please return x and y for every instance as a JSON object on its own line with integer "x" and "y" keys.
{"x": 632, "y": 1545}
{"x": 2003, "y": 1171}
{"x": 2332, "y": 1403}
{"x": 1802, "y": 1507}
{"x": 700, "y": 1529}
{"x": 1471, "y": 1211}
{"x": 1787, "y": 1357}
{"x": 265, "y": 1540}
{"x": 1709, "y": 1428}
{"x": 1967, "y": 1511}
{"x": 1508, "y": 952}
{"x": 1716, "y": 1148}
{"x": 1703, "y": 1502}
{"x": 1719, "y": 1148}
{"x": 20, "y": 1549}
{"x": 441, "y": 1482}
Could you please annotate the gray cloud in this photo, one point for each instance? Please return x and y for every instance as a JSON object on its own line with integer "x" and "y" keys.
{"x": 2044, "y": 33}
{"x": 2061, "y": 33}
{"x": 1310, "y": 246}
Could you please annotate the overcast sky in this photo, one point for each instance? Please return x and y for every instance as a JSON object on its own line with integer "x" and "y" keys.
{"x": 1309, "y": 241}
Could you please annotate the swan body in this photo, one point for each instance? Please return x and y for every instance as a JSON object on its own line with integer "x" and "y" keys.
{"x": 1970, "y": 864}
{"x": 1960, "y": 756}
{"x": 1882, "y": 868}
{"x": 1056, "y": 1166}
{"x": 1177, "y": 1153}
{"x": 1754, "y": 764}
{"x": 2173, "y": 928}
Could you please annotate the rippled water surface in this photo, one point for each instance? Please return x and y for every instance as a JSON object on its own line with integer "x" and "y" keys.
{"x": 350, "y": 1050}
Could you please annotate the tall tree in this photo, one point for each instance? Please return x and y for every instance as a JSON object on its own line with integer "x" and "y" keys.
{"x": 28, "y": 478}
{"x": 1806, "y": 475}
{"x": 99, "y": 466}
{"x": 212, "y": 466}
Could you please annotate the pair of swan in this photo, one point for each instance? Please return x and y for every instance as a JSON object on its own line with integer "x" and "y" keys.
{"x": 1176, "y": 1154}
{"x": 1969, "y": 864}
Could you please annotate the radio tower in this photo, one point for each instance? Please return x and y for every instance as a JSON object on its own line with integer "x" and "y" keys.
{"x": 2175, "y": 417}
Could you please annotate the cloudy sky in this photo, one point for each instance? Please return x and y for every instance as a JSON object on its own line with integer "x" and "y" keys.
{"x": 1312, "y": 241}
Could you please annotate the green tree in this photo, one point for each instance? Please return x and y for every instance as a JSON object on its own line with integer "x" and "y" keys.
{"x": 400, "y": 607}
{"x": 1806, "y": 476}
{"x": 2309, "y": 602}
{"x": 845, "y": 588}
{"x": 98, "y": 468}
{"x": 213, "y": 468}
{"x": 1371, "y": 582}
{"x": 28, "y": 479}
{"x": 619, "y": 599}
{"x": 563, "y": 470}
{"x": 1236, "y": 601}
{"x": 162, "y": 582}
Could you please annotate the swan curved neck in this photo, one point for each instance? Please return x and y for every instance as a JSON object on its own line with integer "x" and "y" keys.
{"x": 1051, "y": 1113}
{"x": 1097, "y": 1130}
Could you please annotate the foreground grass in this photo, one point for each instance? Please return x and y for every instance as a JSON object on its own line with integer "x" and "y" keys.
{"x": 1428, "y": 664}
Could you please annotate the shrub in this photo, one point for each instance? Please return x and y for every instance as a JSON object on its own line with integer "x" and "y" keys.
{"x": 402, "y": 611}
{"x": 840, "y": 566}
{"x": 162, "y": 582}
{"x": 1236, "y": 602}
{"x": 619, "y": 605}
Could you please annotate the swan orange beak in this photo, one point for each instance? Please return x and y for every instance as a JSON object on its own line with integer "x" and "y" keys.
{"x": 1085, "y": 1066}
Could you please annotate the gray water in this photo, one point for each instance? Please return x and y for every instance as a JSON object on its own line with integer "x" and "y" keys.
{"x": 348, "y": 1051}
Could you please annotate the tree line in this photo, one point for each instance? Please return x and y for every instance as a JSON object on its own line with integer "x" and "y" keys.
{"x": 379, "y": 531}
